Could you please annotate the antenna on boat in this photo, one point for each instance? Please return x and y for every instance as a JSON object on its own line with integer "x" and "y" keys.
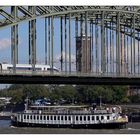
{"x": 100, "y": 101}
{"x": 26, "y": 103}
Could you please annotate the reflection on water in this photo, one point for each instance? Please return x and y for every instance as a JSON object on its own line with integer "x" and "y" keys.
{"x": 6, "y": 128}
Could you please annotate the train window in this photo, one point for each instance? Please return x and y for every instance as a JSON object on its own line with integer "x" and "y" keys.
{"x": 34, "y": 117}
{"x": 102, "y": 117}
{"x": 108, "y": 117}
{"x": 84, "y": 118}
{"x": 37, "y": 117}
{"x": 80, "y": 118}
{"x": 54, "y": 117}
{"x": 69, "y": 118}
{"x": 88, "y": 118}
{"x": 31, "y": 117}
{"x": 97, "y": 117}
{"x": 93, "y": 118}
{"x": 66, "y": 118}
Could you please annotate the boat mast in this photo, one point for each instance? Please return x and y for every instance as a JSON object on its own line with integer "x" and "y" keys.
{"x": 26, "y": 103}
{"x": 100, "y": 101}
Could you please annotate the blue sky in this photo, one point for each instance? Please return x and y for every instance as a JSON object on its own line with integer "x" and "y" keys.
{"x": 5, "y": 50}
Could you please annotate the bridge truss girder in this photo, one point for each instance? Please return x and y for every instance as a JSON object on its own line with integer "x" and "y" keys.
{"x": 123, "y": 20}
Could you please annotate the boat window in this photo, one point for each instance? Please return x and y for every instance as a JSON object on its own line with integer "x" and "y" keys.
{"x": 76, "y": 118}
{"x": 44, "y": 117}
{"x": 84, "y": 118}
{"x": 31, "y": 117}
{"x": 69, "y": 118}
{"x": 93, "y": 118}
{"x": 58, "y": 118}
{"x": 40, "y": 117}
{"x": 108, "y": 117}
{"x": 34, "y": 117}
{"x": 80, "y": 118}
{"x": 88, "y": 118}
{"x": 54, "y": 117}
{"x": 97, "y": 117}
{"x": 37, "y": 117}
{"x": 102, "y": 117}
{"x": 66, "y": 118}
{"x": 47, "y": 117}
{"x": 51, "y": 118}
{"x": 24, "y": 117}
{"x": 61, "y": 117}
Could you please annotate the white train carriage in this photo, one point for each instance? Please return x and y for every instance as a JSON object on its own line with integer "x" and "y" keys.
{"x": 21, "y": 68}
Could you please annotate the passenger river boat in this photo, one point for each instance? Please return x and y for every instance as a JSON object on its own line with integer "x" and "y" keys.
{"x": 70, "y": 116}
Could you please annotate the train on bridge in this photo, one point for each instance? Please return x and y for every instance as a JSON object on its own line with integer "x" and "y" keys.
{"x": 8, "y": 68}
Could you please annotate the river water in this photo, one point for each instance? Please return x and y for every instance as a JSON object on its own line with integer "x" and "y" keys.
{"x": 6, "y": 128}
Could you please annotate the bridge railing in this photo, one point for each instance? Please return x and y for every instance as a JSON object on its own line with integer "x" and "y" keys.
{"x": 73, "y": 73}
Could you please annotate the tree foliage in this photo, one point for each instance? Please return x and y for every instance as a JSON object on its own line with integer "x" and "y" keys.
{"x": 80, "y": 94}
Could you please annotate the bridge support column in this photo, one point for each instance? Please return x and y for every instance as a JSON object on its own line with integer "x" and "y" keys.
{"x": 103, "y": 58}
{"x": 65, "y": 43}
{"x": 46, "y": 43}
{"x": 49, "y": 41}
{"x": 118, "y": 44}
{"x": 61, "y": 43}
{"x": 32, "y": 39}
{"x": 96, "y": 44}
{"x": 70, "y": 43}
{"x": 134, "y": 42}
{"x": 52, "y": 43}
{"x": 14, "y": 39}
{"x": 76, "y": 35}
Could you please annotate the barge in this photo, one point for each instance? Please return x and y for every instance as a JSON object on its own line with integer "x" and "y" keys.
{"x": 70, "y": 116}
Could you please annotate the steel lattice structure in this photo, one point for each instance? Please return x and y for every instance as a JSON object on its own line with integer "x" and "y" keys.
{"x": 114, "y": 33}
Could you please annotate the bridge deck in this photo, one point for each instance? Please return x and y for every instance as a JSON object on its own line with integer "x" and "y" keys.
{"x": 69, "y": 79}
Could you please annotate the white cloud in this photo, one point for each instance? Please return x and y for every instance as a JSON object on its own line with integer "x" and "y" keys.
{"x": 5, "y": 43}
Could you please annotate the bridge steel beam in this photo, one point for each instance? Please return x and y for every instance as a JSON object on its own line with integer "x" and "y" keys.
{"x": 86, "y": 38}
{"x": 134, "y": 64}
{"x": 52, "y": 43}
{"x": 46, "y": 41}
{"x": 103, "y": 57}
{"x": 76, "y": 35}
{"x": 70, "y": 43}
{"x": 32, "y": 39}
{"x": 49, "y": 40}
{"x": 66, "y": 43}
{"x": 14, "y": 39}
{"x": 118, "y": 44}
{"x": 96, "y": 44}
{"x": 61, "y": 41}
{"x": 138, "y": 54}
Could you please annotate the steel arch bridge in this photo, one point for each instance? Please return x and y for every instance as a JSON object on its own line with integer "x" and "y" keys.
{"x": 105, "y": 41}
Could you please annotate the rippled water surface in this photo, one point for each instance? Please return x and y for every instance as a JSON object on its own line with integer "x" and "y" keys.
{"x": 6, "y": 128}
